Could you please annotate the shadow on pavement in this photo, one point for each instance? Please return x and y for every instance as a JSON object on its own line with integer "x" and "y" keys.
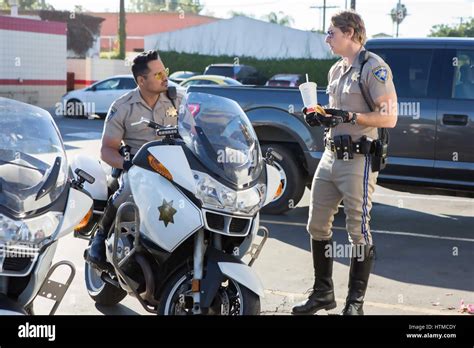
{"x": 443, "y": 263}
{"x": 118, "y": 309}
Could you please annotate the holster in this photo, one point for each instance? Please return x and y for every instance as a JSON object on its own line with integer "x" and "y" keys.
{"x": 378, "y": 159}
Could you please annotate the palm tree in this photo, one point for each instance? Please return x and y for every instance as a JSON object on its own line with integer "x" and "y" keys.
{"x": 272, "y": 17}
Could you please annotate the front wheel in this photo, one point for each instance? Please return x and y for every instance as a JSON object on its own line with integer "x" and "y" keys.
{"x": 100, "y": 291}
{"x": 232, "y": 298}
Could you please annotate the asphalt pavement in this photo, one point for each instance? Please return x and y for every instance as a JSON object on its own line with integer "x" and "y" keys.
{"x": 424, "y": 265}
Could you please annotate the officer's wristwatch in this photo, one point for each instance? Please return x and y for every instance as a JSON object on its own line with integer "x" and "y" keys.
{"x": 354, "y": 118}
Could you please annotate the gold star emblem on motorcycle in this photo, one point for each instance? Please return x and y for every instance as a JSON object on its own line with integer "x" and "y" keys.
{"x": 167, "y": 212}
{"x": 171, "y": 112}
{"x": 355, "y": 76}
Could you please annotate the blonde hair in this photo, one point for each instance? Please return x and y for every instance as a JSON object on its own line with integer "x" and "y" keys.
{"x": 345, "y": 20}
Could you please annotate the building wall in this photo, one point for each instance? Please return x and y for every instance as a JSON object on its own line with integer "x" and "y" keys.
{"x": 89, "y": 70}
{"x": 140, "y": 24}
{"x": 33, "y": 60}
{"x": 243, "y": 37}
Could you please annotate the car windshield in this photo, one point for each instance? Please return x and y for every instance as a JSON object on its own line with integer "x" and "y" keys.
{"x": 33, "y": 166}
{"x": 218, "y": 132}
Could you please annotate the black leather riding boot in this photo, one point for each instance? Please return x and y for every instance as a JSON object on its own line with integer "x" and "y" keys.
{"x": 360, "y": 269}
{"x": 96, "y": 252}
{"x": 322, "y": 294}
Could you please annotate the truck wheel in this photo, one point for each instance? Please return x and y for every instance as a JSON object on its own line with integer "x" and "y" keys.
{"x": 292, "y": 180}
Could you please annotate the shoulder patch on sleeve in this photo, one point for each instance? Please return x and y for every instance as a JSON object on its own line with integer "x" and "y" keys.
{"x": 380, "y": 73}
{"x": 112, "y": 112}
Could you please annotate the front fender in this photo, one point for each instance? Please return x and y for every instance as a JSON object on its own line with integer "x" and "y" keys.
{"x": 220, "y": 266}
{"x": 244, "y": 275}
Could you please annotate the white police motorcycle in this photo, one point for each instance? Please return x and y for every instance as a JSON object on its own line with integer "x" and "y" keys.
{"x": 39, "y": 203}
{"x": 177, "y": 244}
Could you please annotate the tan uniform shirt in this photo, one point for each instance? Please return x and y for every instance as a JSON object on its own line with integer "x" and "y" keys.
{"x": 344, "y": 91}
{"x": 130, "y": 108}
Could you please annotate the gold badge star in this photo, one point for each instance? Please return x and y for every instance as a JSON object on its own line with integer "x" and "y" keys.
{"x": 167, "y": 212}
{"x": 171, "y": 112}
{"x": 355, "y": 76}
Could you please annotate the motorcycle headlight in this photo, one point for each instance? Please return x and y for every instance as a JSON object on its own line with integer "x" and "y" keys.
{"x": 214, "y": 195}
{"x": 28, "y": 232}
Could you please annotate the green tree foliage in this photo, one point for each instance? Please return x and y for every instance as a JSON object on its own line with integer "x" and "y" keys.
{"x": 26, "y": 5}
{"x": 316, "y": 69}
{"x": 279, "y": 18}
{"x": 82, "y": 29}
{"x": 240, "y": 13}
{"x": 188, "y": 6}
{"x": 461, "y": 30}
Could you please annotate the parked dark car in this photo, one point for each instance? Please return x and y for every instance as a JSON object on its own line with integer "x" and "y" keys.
{"x": 431, "y": 148}
{"x": 285, "y": 80}
{"x": 246, "y": 74}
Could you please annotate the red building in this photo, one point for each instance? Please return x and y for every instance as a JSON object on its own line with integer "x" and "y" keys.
{"x": 140, "y": 24}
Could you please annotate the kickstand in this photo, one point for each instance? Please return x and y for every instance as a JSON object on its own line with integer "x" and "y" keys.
{"x": 53, "y": 290}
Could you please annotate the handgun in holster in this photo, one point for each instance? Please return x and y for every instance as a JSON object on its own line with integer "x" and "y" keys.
{"x": 379, "y": 155}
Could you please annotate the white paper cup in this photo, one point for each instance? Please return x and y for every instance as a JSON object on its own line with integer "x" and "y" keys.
{"x": 309, "y": 95}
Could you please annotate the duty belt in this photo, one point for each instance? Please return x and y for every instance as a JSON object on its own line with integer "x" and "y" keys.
{"x": 360, "y": 147}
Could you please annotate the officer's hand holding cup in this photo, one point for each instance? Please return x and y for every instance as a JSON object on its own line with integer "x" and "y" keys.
{"x": 310, "y": 102}
{"x": 313, "y": 116}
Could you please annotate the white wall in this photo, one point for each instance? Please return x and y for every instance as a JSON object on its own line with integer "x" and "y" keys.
{"x": 242, "y": 36}
{"x": 33, "y": 66}
{"x": 94, "y": 69}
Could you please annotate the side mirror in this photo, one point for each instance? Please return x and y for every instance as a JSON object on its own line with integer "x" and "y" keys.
{"x": 92, "y": 89}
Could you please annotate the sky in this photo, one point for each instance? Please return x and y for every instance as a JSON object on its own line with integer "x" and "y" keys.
{"x": 422, "y": 14}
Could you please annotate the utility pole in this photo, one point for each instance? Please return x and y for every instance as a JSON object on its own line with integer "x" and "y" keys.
{"x": 398, "y": 14}
{"x": 460, "y": 20}
{"x": 353, "y": 5}
{"x": 324, "y": 7}
{"x": 122, "y": 32}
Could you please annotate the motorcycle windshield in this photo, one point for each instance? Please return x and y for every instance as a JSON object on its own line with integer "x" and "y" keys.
{"x": 33, "y": 166}
{"x": 218, "y": 132}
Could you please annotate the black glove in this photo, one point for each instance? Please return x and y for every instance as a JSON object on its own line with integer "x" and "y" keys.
{"x": 311, "y": 118}
{"x": 337, "y": 117}
{"x": 344, "y": 115}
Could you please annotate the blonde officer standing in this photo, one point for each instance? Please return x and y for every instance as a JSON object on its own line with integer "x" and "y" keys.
{"x": 149, "y": 100}
{"x": 349, "y": 166}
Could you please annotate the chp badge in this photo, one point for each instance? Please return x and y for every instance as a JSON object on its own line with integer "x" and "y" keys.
{"x": 171, "y": 112}
{"x": 380, "y": 73}
{"x": 167, "y": 212}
